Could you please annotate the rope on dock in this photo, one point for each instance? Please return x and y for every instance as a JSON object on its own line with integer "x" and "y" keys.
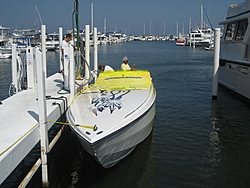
{"x": 19, "y": 139}
{"x": 94, "y": 128}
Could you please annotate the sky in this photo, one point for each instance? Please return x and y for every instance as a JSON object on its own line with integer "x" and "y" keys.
{"x": 135, "y": 17}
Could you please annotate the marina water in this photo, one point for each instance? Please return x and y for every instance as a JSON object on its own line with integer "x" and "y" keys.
{"x": 196, "y": 142}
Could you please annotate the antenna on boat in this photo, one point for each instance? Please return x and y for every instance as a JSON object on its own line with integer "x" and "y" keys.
{"x": 208, "y": 18}
{"x": 39, "y": 15}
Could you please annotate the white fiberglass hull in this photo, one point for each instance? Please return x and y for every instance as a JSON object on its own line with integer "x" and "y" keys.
{"x": 236, "y": 78}
{"x": 118, "y": 145}
{"x": 234, "y": 69}
{"x": 124, "y": 118}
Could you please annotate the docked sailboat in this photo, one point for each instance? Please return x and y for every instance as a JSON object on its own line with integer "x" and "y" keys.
{"x": 234, "y": 70}
{"x": 119, "y": 108}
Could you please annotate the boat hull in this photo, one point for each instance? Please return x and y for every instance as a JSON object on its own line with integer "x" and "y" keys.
{"x": 234, "y": 69}
{"x": 120, "y": 118}
{"x": 117, "y": 146}
{"x": 235, "y": 77}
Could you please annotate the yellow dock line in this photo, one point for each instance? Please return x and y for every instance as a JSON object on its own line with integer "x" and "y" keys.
{"x": 94, "y": 128}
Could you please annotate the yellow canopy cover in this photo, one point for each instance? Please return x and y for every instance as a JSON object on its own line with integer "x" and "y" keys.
{"x": 123, "y": 80}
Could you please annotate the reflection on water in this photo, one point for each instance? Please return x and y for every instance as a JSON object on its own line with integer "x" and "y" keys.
{"x": 229, "y": 143}
{"x": 215, "y": 144}
{"x": 133, "y": 171}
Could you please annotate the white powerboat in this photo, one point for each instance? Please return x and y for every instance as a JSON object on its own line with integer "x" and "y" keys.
{"x": 114, "y": 115}
{"x": 52, "y": 41}
{"x": 234, "y": 70}
{"x": 180, "y": 42}
{"x": 200, "y": 37}
{"x": 5, "y": 56}
{"x": 5, "y": 40}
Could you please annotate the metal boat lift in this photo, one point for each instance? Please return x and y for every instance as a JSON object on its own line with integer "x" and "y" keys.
{"x": 27, "y": 116}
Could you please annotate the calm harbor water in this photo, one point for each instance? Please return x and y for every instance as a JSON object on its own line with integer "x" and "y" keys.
{"x": 196, "y": 142}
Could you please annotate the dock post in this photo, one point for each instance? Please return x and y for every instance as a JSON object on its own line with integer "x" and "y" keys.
{"x": 14, "y": 67}
{"x": 87, "y": 65}
{"x": 42, "y": 117}
{"x": 95, "y": 54}
{"x": 60, "y": 46}
{"x": 66, "y": 62}
{"x": 216, "y": 63}
{"x": 71, "y": 73}
{"x": 43, "y": 42}
{"x": 194, "y": 43}
{"x": 31, "y": 67}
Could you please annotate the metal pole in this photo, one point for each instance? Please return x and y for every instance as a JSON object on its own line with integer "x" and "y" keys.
{"x": 95, "y": 54}
{"x": 87, "y": 64}
{"x": 92, "y": 17}
{"x": 60, "y": 46}
{"x": 66, "y": 61}
{"x": 42, "y": 117}
{"x": 216, "y": 63}
{"x": 43, "y": 38}
{"x": 31, "y": 67}
{"x": 14, "y": 67}
{"x": 71, "y": 72}
{"x": 77, "y": 23}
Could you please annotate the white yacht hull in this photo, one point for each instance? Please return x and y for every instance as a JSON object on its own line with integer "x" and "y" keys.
{"x": 236, "y": 78}
{"x": 234, "y": 69}
{"x": 124, "y": 118}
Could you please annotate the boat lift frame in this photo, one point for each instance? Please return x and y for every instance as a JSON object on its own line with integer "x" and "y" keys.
{"x": 13, "y": 155}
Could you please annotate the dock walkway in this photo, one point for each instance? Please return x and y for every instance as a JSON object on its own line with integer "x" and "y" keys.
{"x": 19, "y": 122}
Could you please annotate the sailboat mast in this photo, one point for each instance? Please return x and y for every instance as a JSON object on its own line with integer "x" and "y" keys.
{"x": 92, "y": 17}
{"x": 164, "y": 30}
{"x": 202, "y": 16}
{"x": 104, "y": 29}
{"x": 144, "y": 30}
{"x": 177, "y": 35}
{"x": 190, "y": 24}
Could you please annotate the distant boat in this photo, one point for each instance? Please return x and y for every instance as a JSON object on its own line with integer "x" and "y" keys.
{"x": 120, "y": 108}
{"x": 200, "y": 37}
{"x": 210, "y": 47}
{"x": 180, "y": 42}
{"x": 5, "y": 56}
{"x": 5, "y": 40}
{"x": 234, "y": 69}
{"x": 52, "y": 41}
{"x": 208, "y": 37}
{"x": 26, "y": 37}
